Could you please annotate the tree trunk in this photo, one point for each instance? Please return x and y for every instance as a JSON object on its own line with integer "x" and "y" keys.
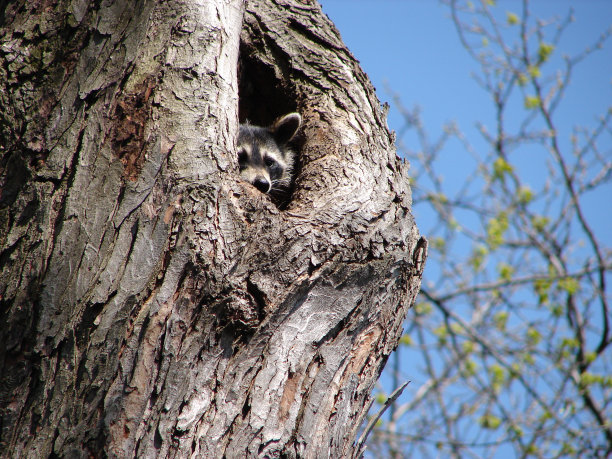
{"x": 153, "y": 304}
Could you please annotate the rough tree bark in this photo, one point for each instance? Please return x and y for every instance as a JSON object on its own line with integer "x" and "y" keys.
{"x": 154, "y": 305}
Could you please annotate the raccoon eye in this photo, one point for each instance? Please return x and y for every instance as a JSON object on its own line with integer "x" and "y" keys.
{"x": 274, "y": 168}
{"x": 242, "y": 156}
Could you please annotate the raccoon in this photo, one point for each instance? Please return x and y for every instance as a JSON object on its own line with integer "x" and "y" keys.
{"x": 263, "y": 156}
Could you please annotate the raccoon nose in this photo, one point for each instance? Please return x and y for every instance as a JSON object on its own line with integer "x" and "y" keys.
{"x": 262, "y": 184}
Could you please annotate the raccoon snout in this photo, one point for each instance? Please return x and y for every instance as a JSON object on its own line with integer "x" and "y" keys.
{"x": 261, "y": 184}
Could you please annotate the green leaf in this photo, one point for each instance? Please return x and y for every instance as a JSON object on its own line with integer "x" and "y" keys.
{"x": 516, "y": 431}
{"x": 568, "y": 450}
{"x": 442, "y": 333}
{"x": 477, "y": 259}
{"x": 501, "y": 320}
{"x": 423, "y": 308}
{"x": 438, "y": 198}
{"x": 534, "y": 71}
{"x": 539, "y": 223}
{"x": 406, "y": 340}
{"x": 525, "y": 195}
{"x": 532, "y": 102}
{"x": 515, "y": 370}
{"x": 469, "y": 368}
{"x": 544, "y": 52}
{"x": 437, "y": 243}
{"x": 512, "y": 18}
{"x": 468, "y": 347}
{"x": 495, "y": 230}
{"x": 456, "y": 328}
{"x": 497, "y": 375}
{"x": 533, "y": 336}
{"x": 587, "y": 379}
{"x": 500, "y": 168}
{"x": 545, "y": 416}
{"x": 556, "y": 310}
{"x": 542, "y": 286}
{"x": 571, "y": 343}
{"x": 505, "y": 271}
{"x": 488, "y": 421}
{"x": 569, "y": 284}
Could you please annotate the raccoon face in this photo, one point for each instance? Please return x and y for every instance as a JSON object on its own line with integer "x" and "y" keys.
{"x": 263, "y": 156}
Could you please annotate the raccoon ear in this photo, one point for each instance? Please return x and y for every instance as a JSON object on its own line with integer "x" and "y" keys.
{"x": 285, "y": 127}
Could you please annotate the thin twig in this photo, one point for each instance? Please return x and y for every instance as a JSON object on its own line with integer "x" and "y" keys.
{"x": 364, "y": 436}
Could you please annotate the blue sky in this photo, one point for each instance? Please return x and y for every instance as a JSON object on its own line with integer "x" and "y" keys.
{"x": 412, "y": 48}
